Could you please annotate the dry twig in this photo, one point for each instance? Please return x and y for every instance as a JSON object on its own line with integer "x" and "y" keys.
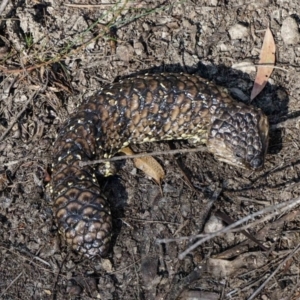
{"x": 11, "y": 283}
{"x": 3, "y": 5}
{"x": 98, "y": 161}
{"x": 296, "y": 250}
{"x": 278, "y": 209}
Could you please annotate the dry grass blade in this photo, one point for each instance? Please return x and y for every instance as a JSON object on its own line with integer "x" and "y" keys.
{"x": 266, "y": 63}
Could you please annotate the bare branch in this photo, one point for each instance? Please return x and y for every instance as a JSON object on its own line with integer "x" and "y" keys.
{"x": 98, "y": 161}
{"x": 278, "y": 209}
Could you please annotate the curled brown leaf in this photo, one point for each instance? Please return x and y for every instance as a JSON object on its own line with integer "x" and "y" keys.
{"x": 148, "y": 165}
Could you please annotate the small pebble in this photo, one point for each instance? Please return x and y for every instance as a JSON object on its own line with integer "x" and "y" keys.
{"x": 238, "y": 32}
{"x": 253, "y": 5}
{"x": 125, "y": 52}
{"x": 213, "y": 3}
{"x": 106, "y": 265}
{"x": 222, "y": 47}
{"x": 213, "y": 224}
{"x": 290, "y": 31}
{"x": 138, "y": 48}
{"x": 118, "y": 252}
{"x": 5, "y": 202}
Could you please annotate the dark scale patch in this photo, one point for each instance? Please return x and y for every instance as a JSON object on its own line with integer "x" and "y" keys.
{"x": 154, "y": 107}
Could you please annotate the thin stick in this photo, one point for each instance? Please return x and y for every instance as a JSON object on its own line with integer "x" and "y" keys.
{"x": 250, "y": 225}
{"x": 3, "y": 5}
{"x": 181, "y": 238}
{"x": 87, "y": 163}
{"x": 12, "y": 282}
{"x": 125, "y": 268}
{"x": 271, "y": 66}
{"x": 275, "y": 271}
{"x": 229, "y": 221}
{"x": 285, "y": 123}
{"x": 261, "y": 65}
{"x": 88, "y": 5}
{"x": 277, "y": 208}
{"x": 150, "y": 221}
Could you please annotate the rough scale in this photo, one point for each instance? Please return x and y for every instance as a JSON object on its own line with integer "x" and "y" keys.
{"x": 136, "y": 110}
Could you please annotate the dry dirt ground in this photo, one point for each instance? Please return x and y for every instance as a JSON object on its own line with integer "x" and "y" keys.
{"x": 55, "y": 53}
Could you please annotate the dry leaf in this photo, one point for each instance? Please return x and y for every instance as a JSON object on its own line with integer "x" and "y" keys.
{"x": 267, "y": 60}
{"x": 127, "y": 151}
{"x": 148, "y": 165}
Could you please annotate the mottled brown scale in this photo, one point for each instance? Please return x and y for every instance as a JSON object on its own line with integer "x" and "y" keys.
{"x": 135, "y": 110}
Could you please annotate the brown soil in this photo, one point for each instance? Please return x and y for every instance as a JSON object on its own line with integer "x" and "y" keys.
{"x": 54, "y": 55}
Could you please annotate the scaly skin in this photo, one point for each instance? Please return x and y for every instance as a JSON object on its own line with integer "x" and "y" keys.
{"x": 136, "y": 110}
